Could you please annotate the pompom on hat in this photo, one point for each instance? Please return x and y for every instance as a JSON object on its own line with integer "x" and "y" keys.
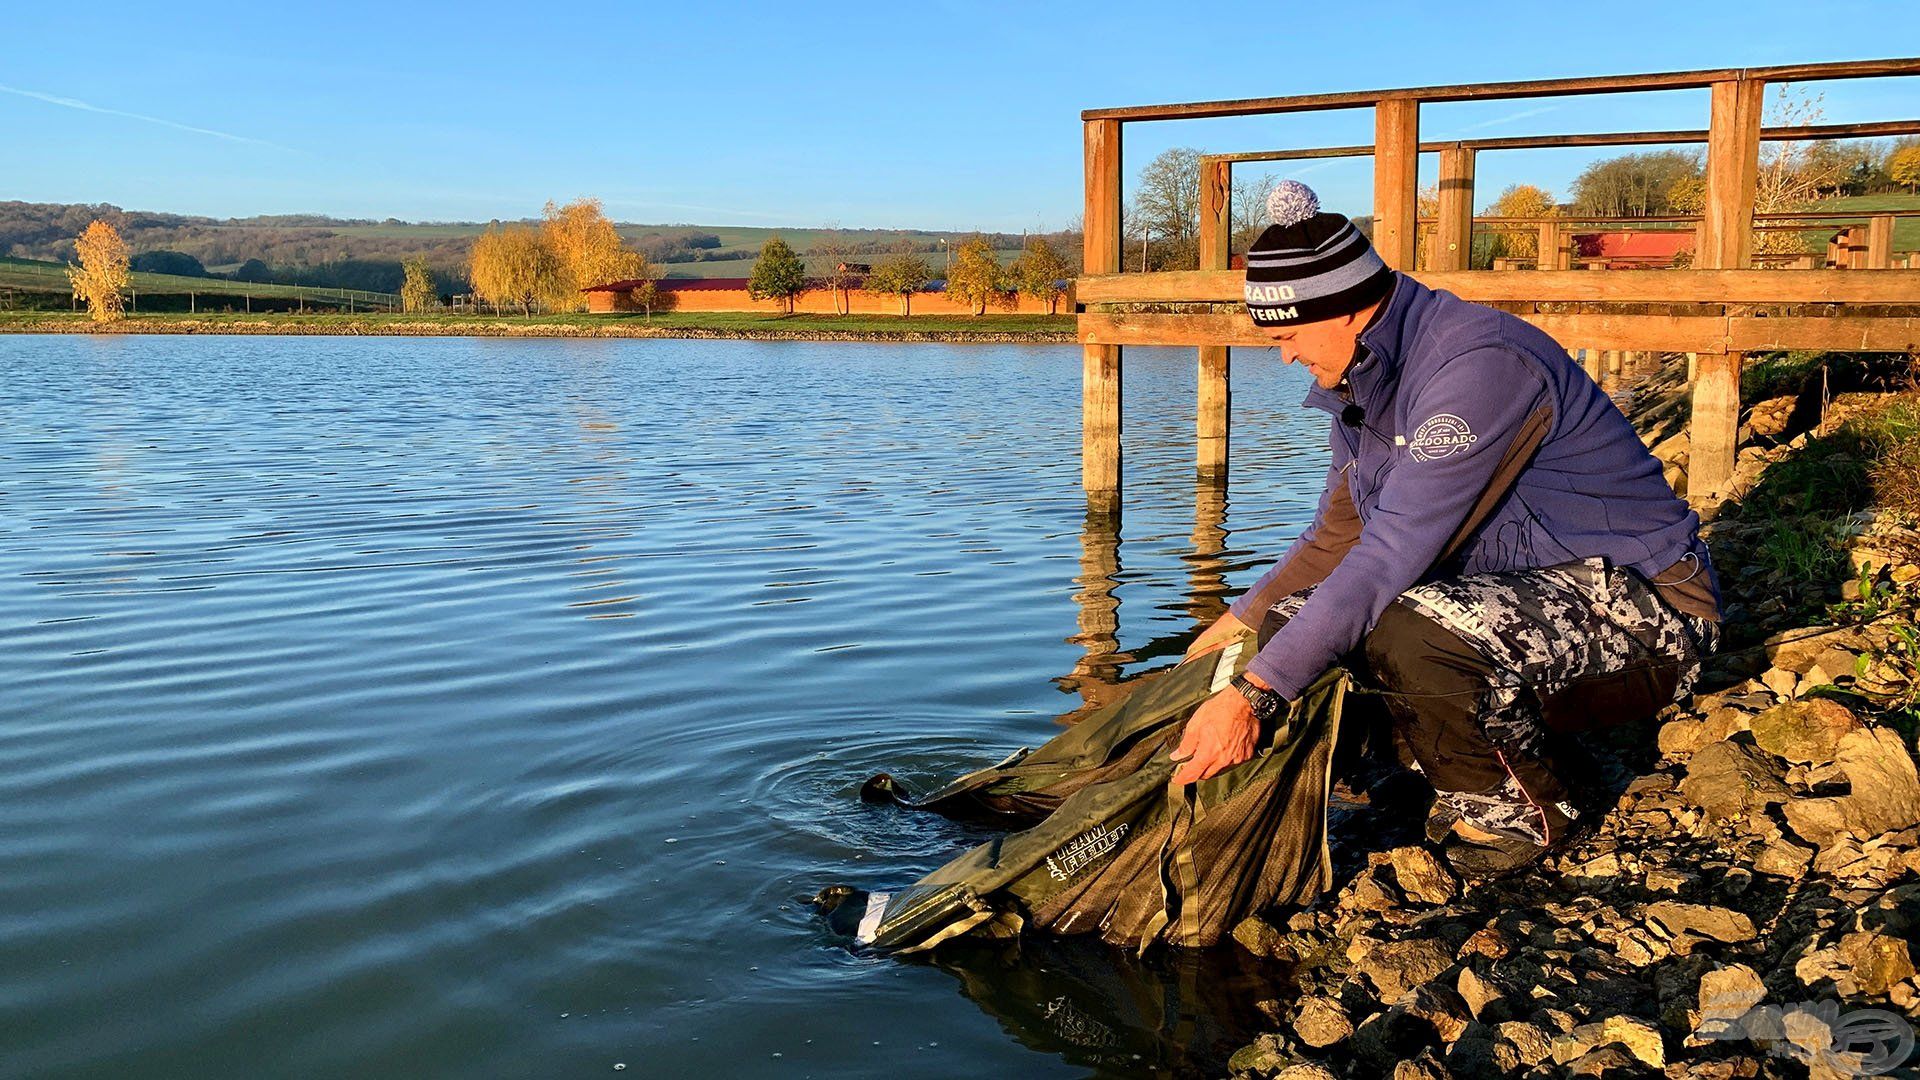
{"x": 1310, "y": 265}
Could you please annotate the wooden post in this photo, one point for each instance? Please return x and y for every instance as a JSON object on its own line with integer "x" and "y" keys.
{"x": 1616, "y": 367}
{"x": 1100, "y": 364}
{"x": 1396, "y": 180}
{"x": 1551, "y": 255}
{"x": 1880, "y": 242}
{"x": 1216, "y": 197}
{"x": 1590, "y": 362}
{"x": 1215, "y": 393}
{"x": 1733, "y": 169}
{"x": 1453, "y": 238}
{"x": 1216, "y": 399}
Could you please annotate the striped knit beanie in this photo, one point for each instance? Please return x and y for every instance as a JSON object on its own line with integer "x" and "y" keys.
{"x": 1309, "y": 265}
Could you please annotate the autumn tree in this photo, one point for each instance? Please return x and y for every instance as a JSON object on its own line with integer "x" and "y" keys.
{"x": 901, "y": 274}
{"x": 977, "y": 277}
{"x": 513, "y": 266}
{"x": 587, "y": 250}
{"x": 416, "y": 292}
{"x": 646, "y": 294}
{"x": 102, "y": 275}
{"x": 1041, "y": 271}
{"x": 1166, "y": 210}
{"x": 1632, "y": 185}
{"x": 778, "y": 274}
{"x": 1521, "y": 201}
{"x": 1904, "y": 166}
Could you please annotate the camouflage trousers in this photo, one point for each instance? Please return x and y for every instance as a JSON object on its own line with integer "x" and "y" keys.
{"x": 1484, "y": 673}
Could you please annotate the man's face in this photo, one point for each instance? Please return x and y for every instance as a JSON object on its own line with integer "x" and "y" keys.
{"x": 1326, "y": 347}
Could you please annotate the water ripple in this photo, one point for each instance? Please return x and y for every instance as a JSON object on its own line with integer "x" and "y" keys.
{"x": 410, "y": 707}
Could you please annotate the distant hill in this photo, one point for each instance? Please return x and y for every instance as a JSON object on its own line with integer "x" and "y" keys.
{"x": 316, "y": 250}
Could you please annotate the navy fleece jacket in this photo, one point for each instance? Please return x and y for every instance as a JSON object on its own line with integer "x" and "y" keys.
{"x": 1444, "y": 386}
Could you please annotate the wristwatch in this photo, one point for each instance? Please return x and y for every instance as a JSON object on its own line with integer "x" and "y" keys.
{"x": 1267, "y": 704}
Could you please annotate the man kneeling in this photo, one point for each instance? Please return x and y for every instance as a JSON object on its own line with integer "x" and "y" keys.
{"x": 1495, "y": 548}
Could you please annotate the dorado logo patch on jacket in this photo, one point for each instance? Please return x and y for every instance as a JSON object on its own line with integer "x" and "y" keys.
{"x": 1441, "y": 436}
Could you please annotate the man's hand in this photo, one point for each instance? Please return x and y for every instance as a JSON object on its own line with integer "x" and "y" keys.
{"x": 1223, "y": 630}
{"x": 1220, "y": 734}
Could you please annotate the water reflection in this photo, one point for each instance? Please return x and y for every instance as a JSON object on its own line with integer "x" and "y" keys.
{"x": 1175, "y": 1013}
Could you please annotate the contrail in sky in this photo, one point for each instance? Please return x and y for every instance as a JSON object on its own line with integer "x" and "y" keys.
{"x": 1521, "y": 115}
{"x": 75, "y": 103}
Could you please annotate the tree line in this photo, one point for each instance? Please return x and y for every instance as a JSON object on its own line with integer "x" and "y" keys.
{"x": 976, "y": 277}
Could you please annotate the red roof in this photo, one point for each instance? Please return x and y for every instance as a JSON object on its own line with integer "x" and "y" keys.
{"x": 673, "y": 284}
{"x": 1644, "y": 246}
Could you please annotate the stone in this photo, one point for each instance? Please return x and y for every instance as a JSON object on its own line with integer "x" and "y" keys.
{"x": 1875, "y": 963}
{"x": 1680, "y": 737}
{"x": 1486, "y": 941}
{"x": 1809, "y": 1032}
{"x": 1474, "y": 1055}
{"x": 1530, "y": 1044}
{"x": 1439, "y": 1007}
{"x": 1601, "y": 866}
{"x": 1421, "y": 876}
{"x": 1688, "y": 923}
{"x": 1726, "y": 993}
{"x": 1264, "y": 1056}
{"x": 1321, "y": 1022}
{"x": 1368, "y": 894}
{"x": 1728, "y": 778}
{"x": 1783, "y": 858}
{"x": 1386, "y": 1038}
{"x": 1394, "y": 967}
{"x": 1261, "y": 938}
{"x": 1670, "y": 880}
{"x": 1637, "y": 1037}
{"x": 1885, "y": 793}
{"x": 1477, "y": 992}
{"x": 1807, "y": 732}
{"x": 1641, "y": 1038}
{"x": 1306, "y": 1070}
{"x": 1796, "y": 650}
{"x": 1423, "y": 1067}
{"x": 1781, "y": 681}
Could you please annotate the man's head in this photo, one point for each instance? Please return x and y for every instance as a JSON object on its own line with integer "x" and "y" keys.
{"x": 1313, "y": 282}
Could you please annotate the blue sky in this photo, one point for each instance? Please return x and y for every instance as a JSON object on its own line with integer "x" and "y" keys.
{"x": 919, "y": 114}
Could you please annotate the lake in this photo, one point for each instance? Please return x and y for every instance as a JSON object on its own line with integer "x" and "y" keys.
{"x": 406, "y": 707}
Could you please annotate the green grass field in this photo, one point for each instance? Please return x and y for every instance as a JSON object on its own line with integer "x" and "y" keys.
{"x": 38, "y": 276}
{"x": 1906, "y": 231}
{"x": 720, "y": 322}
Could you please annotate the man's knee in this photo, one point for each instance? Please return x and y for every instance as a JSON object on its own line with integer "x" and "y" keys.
{"x": 1407, "y": 651}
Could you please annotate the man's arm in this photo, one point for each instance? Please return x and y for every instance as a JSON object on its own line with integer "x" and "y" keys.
{"x": 1486, "y": 398}
{"x": 1306, "y": 562}
{"x": 1335, "y": 528}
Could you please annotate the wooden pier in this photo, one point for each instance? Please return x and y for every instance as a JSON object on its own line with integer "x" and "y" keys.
{"x": 1718, "y": 311}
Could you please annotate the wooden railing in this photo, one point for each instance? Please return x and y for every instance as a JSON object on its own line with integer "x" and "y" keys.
{"x": 1708, "y": 310}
